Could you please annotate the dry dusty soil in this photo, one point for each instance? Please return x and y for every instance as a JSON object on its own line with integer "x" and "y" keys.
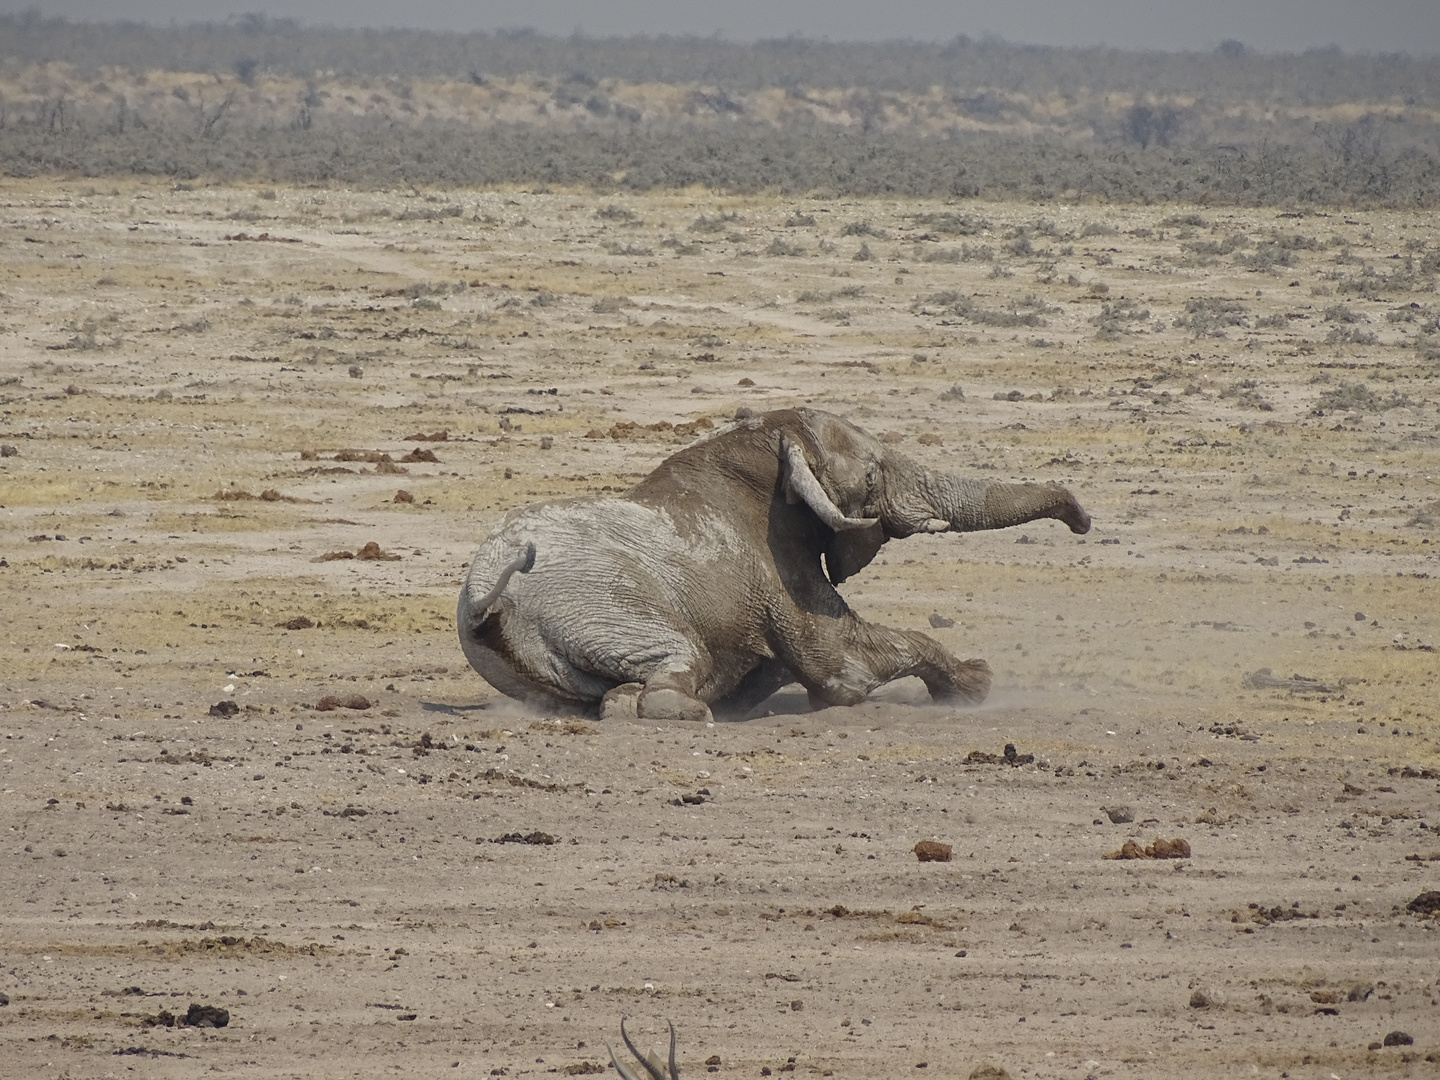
{"x": 207, "y": 391}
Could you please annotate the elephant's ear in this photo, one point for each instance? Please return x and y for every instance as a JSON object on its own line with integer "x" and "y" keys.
{"x": 850, "y": 552}
{"x": 802, "y": 485}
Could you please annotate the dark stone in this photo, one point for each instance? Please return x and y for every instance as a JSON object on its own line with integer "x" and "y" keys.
{"x": 224, "y": 709}
{"x": 1399, "y": 1038}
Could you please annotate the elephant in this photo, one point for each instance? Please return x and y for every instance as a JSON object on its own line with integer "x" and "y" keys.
{"x": 701, "y": 590}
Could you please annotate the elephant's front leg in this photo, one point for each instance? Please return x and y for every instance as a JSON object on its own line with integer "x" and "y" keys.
{"x": 849, "y": 657}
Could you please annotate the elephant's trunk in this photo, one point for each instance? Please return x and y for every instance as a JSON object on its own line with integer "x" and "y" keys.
{"x": 973, "y": 505}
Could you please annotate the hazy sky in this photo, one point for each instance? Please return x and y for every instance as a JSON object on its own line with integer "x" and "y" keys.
{"x": 1289, "y": 25}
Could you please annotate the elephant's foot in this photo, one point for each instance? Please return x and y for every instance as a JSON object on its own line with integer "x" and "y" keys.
{"x": 622, "y": 702}
{"x": 967, "y": 683}
{"x": 664, "y": 703}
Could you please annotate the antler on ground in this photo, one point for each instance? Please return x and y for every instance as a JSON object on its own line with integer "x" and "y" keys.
{"x": 650, "y": 1062}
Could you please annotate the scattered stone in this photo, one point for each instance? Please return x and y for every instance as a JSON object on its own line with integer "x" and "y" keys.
{"x": 300, "y": 622}
{"x": 940, "y": 622}
{"x": 1159, "y": 849}
{"x": 932, "y": 851}
{"x": 329, "y": 703}
{"x": 224, "y": 709}
{"x": 1399, "y": 1038}
{"x": 1427, "y": 903}
{"x": 434, "y": 436}
{"x": 418, "y": 455}
{"x": 403, "y": 496}
{"x": 536, "y": 837}
{"x": 1011, "y": 757}
{"x": 1118, "y": 815}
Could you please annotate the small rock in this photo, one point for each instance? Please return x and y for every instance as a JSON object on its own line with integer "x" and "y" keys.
{"x": 1201, "y": 1000}
{"x": 932, "y": 851}
{"x": 224, "y": 708}
{"x": 300, "y": 622}
{"x": 403, "y": 496}
{"x": 4, "y": 999}
{"x": 8, "y": 451}
{"x": 940, "y": 622}
{"x": 546, "y": 442}
{"x": 1399, "y": 1038}
{"x": 986, "y": 1071}
{"x": 1118, "y": 815}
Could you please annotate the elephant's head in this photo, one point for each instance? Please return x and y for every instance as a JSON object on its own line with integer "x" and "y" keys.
{"x": 867, "y": 493}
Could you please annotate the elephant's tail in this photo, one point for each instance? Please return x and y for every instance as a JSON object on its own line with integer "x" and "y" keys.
{"x": 520, "y": 564}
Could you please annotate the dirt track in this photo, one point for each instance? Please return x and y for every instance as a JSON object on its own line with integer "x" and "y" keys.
{"x": 1261, "y": 469}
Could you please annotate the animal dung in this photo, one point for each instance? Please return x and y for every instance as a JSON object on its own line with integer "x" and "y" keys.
{"x": 536, "y": 837}
{"x": 1158, "y": 849}
{"x": 200, "y": 1016}
{"x": 1427, "y": 903}
{"x": 421, "y": 455}
{"x": 329, "y": 703}
{"x": 371, "y": 552}
{"x": 300, "y": 622}
{"x": 434, "y": 436}
{"x": 403, "y": 496}
{"x": 932, "y": 851}
{"x": 1011, "y": 757}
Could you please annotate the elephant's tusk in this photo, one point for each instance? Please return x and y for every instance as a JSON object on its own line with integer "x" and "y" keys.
{"x": 801, "y": 481}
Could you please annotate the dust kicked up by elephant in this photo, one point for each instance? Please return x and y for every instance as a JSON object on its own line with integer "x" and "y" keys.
{"x": 711, "y": 583}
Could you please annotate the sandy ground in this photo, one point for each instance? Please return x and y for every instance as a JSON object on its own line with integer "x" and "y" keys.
{"x": 1252, "y": 422}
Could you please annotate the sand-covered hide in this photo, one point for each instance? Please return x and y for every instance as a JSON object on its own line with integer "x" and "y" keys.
{"x": 244, "y": 764}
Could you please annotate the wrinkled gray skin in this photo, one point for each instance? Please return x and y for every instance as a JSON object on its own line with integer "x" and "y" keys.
{"x": 702, "y": 586}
